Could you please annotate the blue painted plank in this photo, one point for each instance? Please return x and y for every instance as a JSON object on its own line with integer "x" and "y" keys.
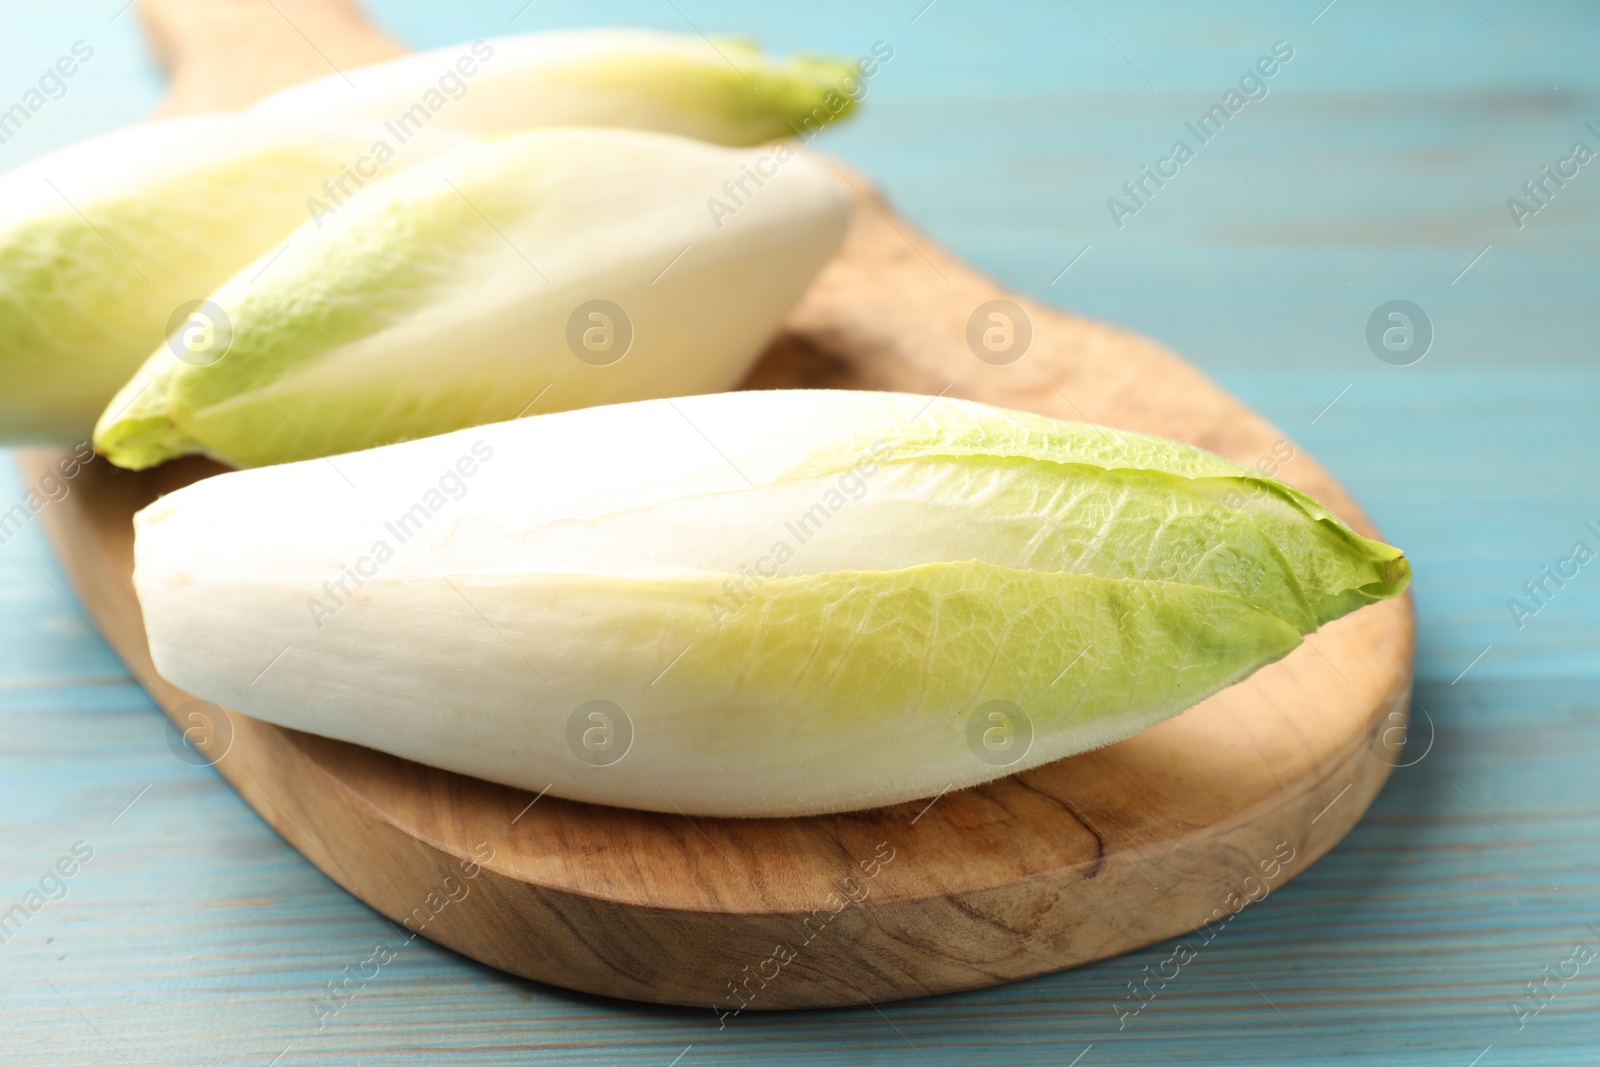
{"x": 1377, "y": 166}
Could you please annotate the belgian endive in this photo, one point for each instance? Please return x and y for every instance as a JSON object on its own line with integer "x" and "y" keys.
{"x": 723, "y": 90}
{"x": 753, "y": 603}
{"x": 102, "y": 245}
{"x": 553, "y": 268}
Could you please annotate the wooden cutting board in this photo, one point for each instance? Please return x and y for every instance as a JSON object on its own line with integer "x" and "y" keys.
{"x": 1181, "y": 825}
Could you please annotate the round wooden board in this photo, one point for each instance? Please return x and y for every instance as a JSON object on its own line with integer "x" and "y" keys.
{"x": 1085, "y": 858}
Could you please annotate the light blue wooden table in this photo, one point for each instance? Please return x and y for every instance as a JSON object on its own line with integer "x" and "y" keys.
{"x": 1377, "y": 167}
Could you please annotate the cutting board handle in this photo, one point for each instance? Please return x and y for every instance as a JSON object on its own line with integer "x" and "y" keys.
{"x": 224, "y": 55}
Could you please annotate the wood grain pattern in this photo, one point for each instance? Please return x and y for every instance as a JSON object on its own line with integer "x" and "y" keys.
{"x": 1075, "y": 861}
{"x": 223, "y": 55}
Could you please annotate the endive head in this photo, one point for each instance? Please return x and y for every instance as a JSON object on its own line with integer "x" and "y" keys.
{"x": 473, "y": 288}
{"x": 723, "y": 90}
{"x": 101, "y": 243}
{"x": 728, "y": 91}
{"x": 803, "y": 601}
